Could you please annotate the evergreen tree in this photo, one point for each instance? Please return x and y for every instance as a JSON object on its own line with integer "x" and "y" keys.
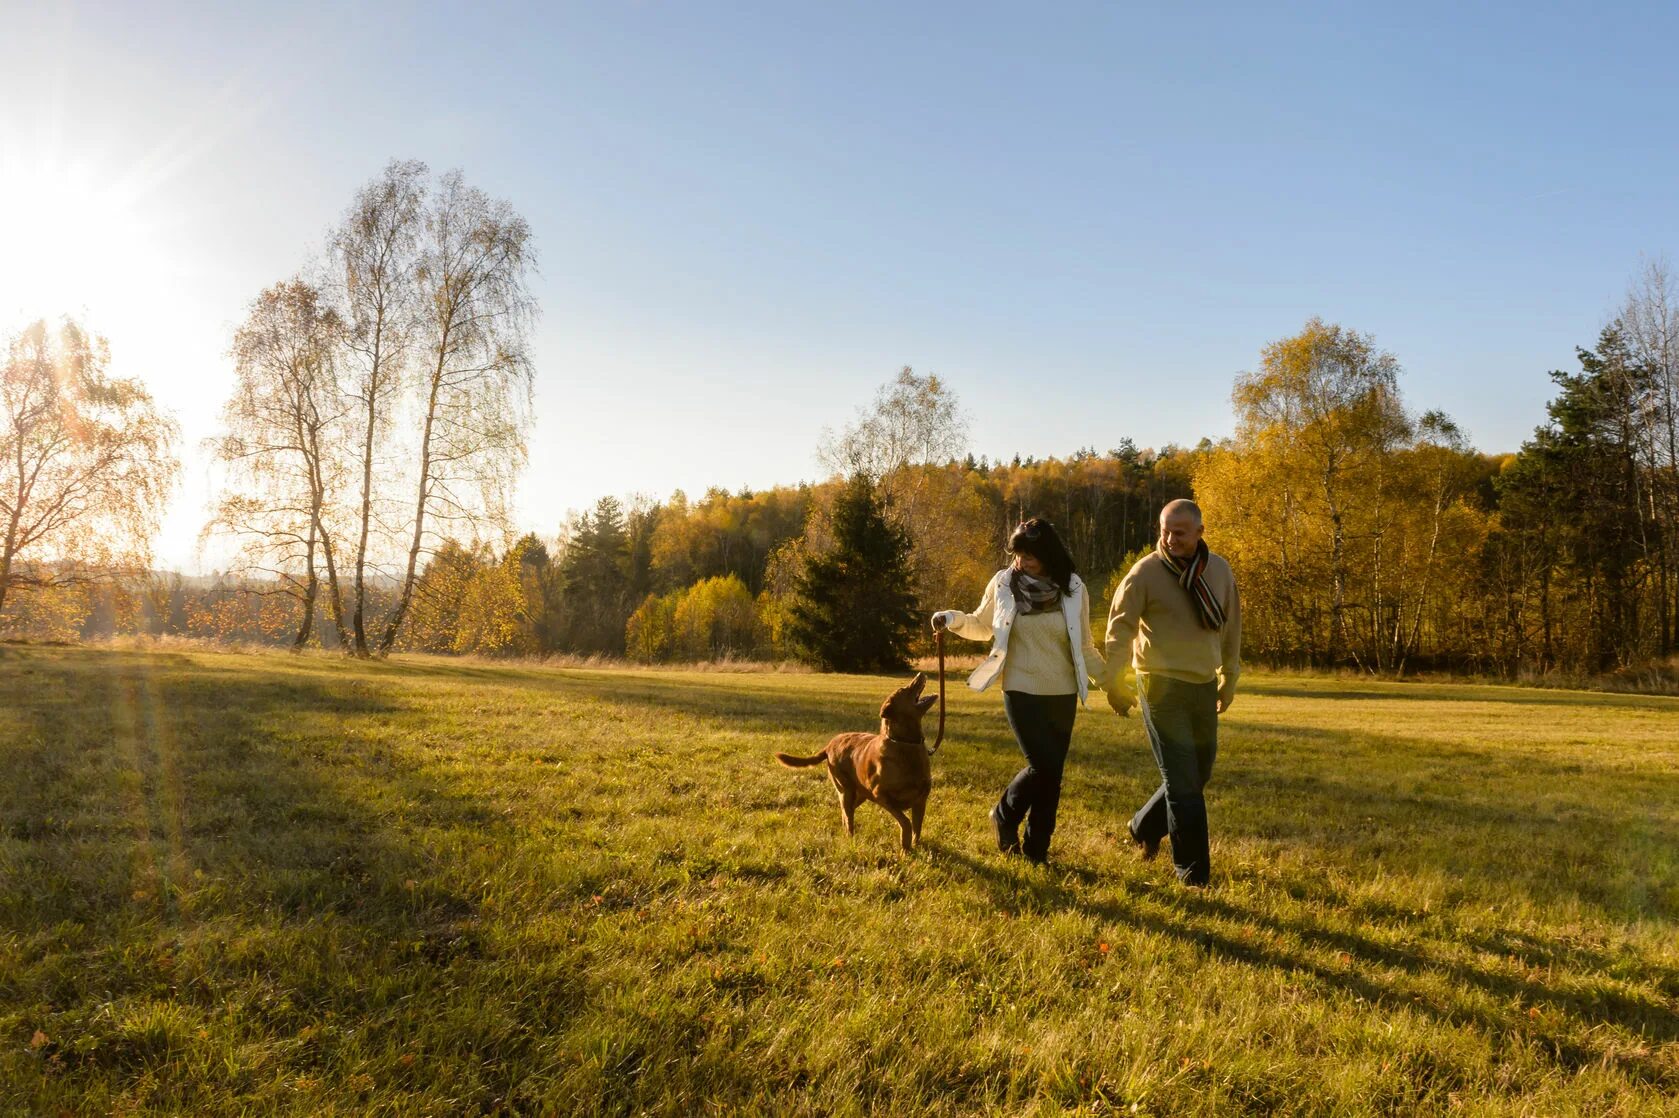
{"x": 1575, "y": 492}
{"x": 597, "y": 580}
{"x": 853, "y": 608}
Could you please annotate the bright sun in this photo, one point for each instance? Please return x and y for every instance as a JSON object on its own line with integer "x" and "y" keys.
{"x": 71, "y": 242}
{"x": 86, "y": 241}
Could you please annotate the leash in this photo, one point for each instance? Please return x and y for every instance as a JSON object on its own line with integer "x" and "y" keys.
{"x": 938, "y": 639}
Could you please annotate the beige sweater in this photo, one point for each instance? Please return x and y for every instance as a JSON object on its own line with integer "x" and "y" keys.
{"x": 1154, "y": 624}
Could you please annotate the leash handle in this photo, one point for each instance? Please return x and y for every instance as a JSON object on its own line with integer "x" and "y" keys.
{"x": 938, "y": 639}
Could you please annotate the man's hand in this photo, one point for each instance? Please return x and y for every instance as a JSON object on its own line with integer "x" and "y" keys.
{"x": 1226, "y": 696}
{"x": 1121, "y": 699}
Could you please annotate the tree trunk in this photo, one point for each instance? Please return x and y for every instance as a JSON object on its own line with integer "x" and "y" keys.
{"x": 335, "y": 594}
{"x": 1412, "y": 643}
{"x": 358, "y": 625}
{"x": 1337, "y": 573}
{"x": 407, "y": 594}
{"x": 309, "y": 589}
{"x": 10, "y": 551}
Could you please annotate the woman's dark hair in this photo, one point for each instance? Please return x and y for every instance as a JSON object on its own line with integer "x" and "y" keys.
{"x": 1037, "y": 537}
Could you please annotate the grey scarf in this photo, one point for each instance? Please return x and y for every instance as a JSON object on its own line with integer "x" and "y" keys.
{"x": 1033, "y": 595}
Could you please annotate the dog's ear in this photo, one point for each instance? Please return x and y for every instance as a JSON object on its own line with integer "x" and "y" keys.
{"x": 925, "y": 705}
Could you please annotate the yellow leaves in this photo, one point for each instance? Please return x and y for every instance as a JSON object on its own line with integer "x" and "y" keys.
{"x": 39, "y": 1041}
{"x": 491, "y": 611}
{"x": 715, "y": 616}
{"x": 49, "y": 613}
{"x": 94, "y": 457}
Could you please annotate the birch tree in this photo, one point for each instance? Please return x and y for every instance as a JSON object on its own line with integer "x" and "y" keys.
{"x": 283, "y": 442}
{"x": 86, "y": 461}
{"x": 472, "y": 316}
{"x": 900, "y": 441}
{"x": 1650, "y": 322}
{"x": 375, "y": 253}
{"x": 1332, "y": 397}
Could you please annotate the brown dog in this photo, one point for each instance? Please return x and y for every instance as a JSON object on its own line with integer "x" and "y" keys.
{"x": 890, "y": 767}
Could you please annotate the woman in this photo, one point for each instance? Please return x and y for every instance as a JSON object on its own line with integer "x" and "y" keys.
{"x": 1036, "y": 613}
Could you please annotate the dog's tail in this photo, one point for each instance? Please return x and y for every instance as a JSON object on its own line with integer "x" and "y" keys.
{"x": 802, "y": 762}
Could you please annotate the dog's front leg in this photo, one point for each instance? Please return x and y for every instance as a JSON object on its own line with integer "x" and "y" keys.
{"x": 906, "y": 831}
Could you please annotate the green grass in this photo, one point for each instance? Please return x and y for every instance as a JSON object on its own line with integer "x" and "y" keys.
{"x": 261, "y": 884}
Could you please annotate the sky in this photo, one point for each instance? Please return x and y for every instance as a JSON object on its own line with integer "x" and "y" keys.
{"x": 1087, "y": 219}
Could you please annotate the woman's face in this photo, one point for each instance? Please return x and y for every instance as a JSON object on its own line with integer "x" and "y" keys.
{"x": 1029, "y": 564}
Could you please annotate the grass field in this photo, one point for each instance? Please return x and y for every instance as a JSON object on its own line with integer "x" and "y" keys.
{"x": 262, "y": 884}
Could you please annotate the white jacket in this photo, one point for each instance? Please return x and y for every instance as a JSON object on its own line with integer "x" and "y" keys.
{"x": 994, "y": 617}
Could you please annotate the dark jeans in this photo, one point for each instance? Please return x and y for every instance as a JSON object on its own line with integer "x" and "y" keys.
{"x": 1043, "y": 725}
{"x": 1182, "y": 723}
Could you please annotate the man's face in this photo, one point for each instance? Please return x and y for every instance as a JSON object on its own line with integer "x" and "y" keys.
{"x": 1181, "y": 534}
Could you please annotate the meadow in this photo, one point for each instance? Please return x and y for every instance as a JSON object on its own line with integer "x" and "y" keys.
{"x": 264, "y": 884}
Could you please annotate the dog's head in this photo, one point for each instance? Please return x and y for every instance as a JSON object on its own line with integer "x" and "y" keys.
{"x": 900, "y": 714}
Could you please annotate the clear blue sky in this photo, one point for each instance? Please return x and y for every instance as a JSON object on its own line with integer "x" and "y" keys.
{"x": 1087, "y": 219}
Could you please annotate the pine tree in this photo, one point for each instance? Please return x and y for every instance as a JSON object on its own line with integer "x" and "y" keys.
{"x": 853, "y": 608}
{"x": 1574, "y": 495}
{"x": 596, "y": 571}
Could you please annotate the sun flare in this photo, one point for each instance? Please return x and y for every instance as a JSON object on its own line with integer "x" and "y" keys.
{"x": 73, "y": 242}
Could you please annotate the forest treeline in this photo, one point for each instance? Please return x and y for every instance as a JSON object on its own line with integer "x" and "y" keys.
{"x": 378, "y": 417}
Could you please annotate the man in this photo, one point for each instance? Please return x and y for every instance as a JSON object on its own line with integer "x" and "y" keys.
{"x": 1177, "y": 620}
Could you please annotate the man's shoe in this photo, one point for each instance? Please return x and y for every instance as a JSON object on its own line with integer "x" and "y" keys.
{"x": 1008, "y": 838}
{"x": 1145, "y": 850}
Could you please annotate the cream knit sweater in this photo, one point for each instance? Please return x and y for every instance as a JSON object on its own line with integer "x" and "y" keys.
{"x": 996, "y": 618}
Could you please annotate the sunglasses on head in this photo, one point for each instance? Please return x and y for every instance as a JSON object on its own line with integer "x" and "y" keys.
{"x": 1029, "y": 529}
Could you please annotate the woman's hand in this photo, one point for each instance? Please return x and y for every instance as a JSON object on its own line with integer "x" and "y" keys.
{"x": 941, "y": 621}
{"x": 1121, "y": 699}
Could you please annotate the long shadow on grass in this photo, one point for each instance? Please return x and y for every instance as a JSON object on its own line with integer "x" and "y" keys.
{"x": 1194, "y": 920}
{"x": 165, "y": 791}
{"x": 1554, "y": 829}
{"x": 1603, "y": 1026}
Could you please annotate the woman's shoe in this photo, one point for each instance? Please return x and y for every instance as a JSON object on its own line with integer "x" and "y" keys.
{"x": 1008, "y": 838}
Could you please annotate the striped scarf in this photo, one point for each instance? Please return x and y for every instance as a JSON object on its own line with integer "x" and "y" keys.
{"x": 1033, "y": 595}
{"x": 1189, "y": 577}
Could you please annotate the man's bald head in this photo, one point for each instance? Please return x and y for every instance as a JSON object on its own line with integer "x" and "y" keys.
{"x": 1183, "y": 506}
{"x": 1180, "y": 528}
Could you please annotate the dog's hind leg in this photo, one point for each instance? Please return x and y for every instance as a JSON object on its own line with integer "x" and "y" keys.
{"x": 848, "y": 806}
{"x": 906, "y": 832}
{"x": 916, "y": 814}
{"x": 848, "y": 809}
